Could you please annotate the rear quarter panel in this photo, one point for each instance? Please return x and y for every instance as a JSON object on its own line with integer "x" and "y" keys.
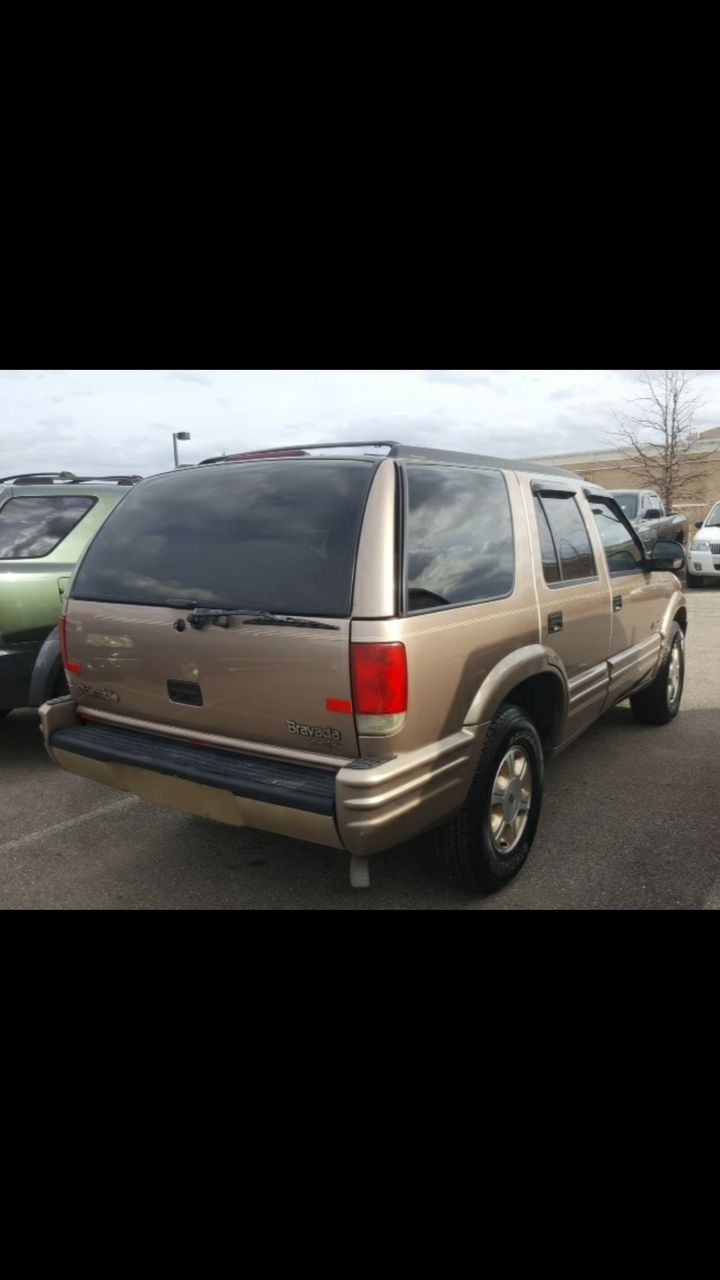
{"x": 461, "y": 662}
{"x": 451, "y": 651}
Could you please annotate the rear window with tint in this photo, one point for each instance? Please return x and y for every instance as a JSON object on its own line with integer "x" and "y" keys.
{"x": 278, "y": 535}
{"x": 33, "y": 527}
{"x": 459, "y": 537}
{"x": 551, "y": 567}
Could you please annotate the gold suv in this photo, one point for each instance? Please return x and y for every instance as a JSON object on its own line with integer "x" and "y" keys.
{"x": 356, "y": 644}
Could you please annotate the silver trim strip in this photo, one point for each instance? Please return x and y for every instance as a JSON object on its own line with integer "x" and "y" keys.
{"x": 217, "y": 740}
{"x": 367, "y": 779}
{"x": 588, "y": 686}
{"x": 622, "y": 663}
{"x": 426, "y": 779}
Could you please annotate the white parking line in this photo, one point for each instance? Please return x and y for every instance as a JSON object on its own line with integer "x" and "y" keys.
{"x": 65, "y": 826}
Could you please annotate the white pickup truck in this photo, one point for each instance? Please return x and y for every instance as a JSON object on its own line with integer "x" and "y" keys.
{"x": 646, "y": 513}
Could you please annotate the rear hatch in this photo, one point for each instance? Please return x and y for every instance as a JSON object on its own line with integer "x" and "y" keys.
{"x": 217, "y": 601}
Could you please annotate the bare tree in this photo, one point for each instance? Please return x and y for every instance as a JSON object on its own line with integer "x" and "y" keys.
{"x": 657, "y": 439}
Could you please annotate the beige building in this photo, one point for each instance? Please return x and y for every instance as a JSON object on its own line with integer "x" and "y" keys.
{"x": 612, "y": 470}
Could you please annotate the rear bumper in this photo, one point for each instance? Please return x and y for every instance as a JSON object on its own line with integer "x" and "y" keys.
{"x": 16, "y": 668}
{"x": 364, "y": 807}
{"x": 269, "y": 781}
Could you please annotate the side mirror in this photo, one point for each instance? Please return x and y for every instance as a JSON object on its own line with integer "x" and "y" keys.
{"x": 699, "y": 524}
{"x": 653, "y": 513}
{"x": 667, "y": 555}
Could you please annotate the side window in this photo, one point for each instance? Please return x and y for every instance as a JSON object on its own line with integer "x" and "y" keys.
{"x": 33, "y": 527}
{"x": 551, "y": 567}
{"x": 561, "y": 517}
{"x": 458, "y": 538}
{"x": 621, "y": 551}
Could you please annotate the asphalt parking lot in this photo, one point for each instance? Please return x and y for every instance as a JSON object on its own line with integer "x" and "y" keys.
{"x": 631, "y": 820}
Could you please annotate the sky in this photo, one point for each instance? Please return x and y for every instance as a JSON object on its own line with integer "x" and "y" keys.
{"x": 106, "y": 422}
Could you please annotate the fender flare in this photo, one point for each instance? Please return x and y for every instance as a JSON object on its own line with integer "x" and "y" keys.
{"x": 531, "y": 660}
{"x": 676, "y": 602}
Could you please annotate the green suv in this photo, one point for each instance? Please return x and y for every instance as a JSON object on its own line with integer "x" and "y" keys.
{"x": 46, "y": 521}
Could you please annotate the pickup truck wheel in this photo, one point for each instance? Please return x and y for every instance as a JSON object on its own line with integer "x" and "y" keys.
{"x": 487, "y": 842}
{"x": 660, "y": 702}
{"x": 694, "y": 579}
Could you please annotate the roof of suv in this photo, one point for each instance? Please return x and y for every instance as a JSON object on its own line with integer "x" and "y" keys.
{"x": 64, "y": 478}
{"x": 34, "y": 482}
{"x": 394, "y": 449}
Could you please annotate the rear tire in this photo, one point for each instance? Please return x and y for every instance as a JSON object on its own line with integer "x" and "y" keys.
{"x": 487, "y": 842}
{"x": 660, "y": 702}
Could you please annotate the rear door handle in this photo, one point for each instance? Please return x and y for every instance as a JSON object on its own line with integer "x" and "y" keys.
{"x": 617, "y": 603}
{"x": 555, "y": 622}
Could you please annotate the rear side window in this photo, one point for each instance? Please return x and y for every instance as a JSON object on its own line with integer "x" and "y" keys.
{"x": 573, "y": 558}
{"x": 551, "y": 567}
{"x": 33, "y": 527}
{"x": 459, "y": 537}
{"x": 278, "y": 535}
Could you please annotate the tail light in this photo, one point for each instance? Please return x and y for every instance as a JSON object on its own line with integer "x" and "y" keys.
{"x": 380, "y": 686}
{"x": 68, "y": 665}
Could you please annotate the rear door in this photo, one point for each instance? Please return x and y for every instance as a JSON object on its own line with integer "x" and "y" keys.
{"x": 271, "y": 543}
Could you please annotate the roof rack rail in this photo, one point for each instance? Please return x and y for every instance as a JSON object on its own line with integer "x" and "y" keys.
{"x": 407, "y": 453}
{"x": 108, "y": 479}
{"x": 64, "y": 477}
{"x": 300, "y": 450}
{"x": 39, "y": 477}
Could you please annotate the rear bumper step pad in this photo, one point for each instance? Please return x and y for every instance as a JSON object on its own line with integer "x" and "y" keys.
{"x": 295, "y": 786}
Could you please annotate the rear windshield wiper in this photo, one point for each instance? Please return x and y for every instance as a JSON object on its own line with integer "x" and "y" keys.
{"x": 280, "y": 620}
{"x": 200, "y": 618}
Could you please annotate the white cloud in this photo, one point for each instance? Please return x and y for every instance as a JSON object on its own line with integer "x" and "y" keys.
{"x": 181, "y": 376}
{"x": 55, "y": 422}
{"x": 123, "y": 420}
{"x": 461, "y": 377}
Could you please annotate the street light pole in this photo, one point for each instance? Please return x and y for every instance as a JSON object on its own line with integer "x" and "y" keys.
{"x": 179, "y": 435}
